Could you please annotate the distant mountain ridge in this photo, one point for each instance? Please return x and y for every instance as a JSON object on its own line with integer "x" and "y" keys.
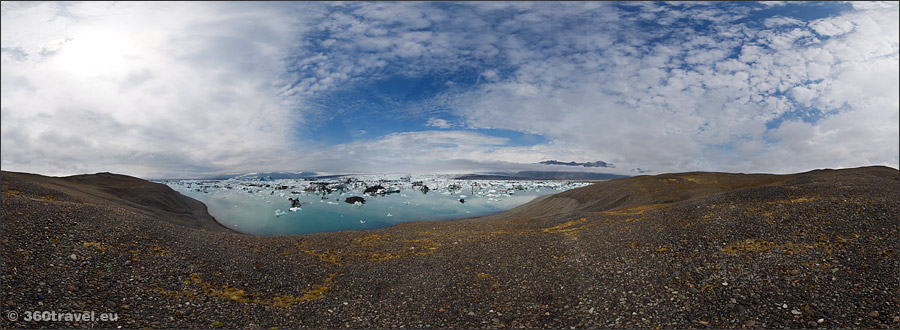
{"x": 598, "y": 163}
{"x": 541, "y": 175}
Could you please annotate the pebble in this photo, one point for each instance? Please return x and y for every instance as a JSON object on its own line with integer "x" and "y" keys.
{"x": 73, "y": 257}
{"x": 873, "y": 314}
{"x": 750, "y": 323}
{"x": 795, "y": 312}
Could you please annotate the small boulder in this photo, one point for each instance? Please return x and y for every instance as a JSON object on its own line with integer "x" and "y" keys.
{"x": 354, "y": 200}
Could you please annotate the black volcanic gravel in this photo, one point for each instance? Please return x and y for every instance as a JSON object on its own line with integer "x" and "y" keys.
{"x": 690, "y": 250}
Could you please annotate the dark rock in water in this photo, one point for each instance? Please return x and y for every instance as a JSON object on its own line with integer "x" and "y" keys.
{"x": 295, "y": 202}
{"x": 462, "y": 200}
{"x": 375, "y": 190}
{"x": 424, "y": 189}
{"x": 354, "y": 199}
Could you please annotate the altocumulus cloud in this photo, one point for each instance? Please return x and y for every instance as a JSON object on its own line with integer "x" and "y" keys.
{"x": 671, "y": 87}
{"x": 181, "y": 89}
{"x": 735, "y": 96}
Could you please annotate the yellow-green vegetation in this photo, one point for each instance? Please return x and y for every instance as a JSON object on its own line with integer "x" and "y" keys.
{"x": 568, "y": 228}
{"x": 635, "y": 210}
{"x": 419, "y": 247}
{"x": 373, "y": 247}
{"x": 753, "y": 245}
{"x": 157, "y": 250}
{"x": 235, "y": 294}
{"x": 565, "y": 227}
{"x": 326, "y": 257}
{"x": 95, "y": 245}
{"x": 636, "y": 219}
{"x": 765, "y": 209}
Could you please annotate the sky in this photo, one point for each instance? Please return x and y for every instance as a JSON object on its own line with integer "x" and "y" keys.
{"x": 193, "y": 89}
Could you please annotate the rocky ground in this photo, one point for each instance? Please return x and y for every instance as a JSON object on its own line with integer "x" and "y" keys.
{"x": 689, "y": 250}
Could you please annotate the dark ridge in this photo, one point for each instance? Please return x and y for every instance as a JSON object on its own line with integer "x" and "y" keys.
{"x": 154, "y": 199}
{"x": 664, "y": 189}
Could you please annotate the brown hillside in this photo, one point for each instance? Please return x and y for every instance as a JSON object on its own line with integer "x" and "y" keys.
{"x": 688, "y": 250}
{"x": 153, "y": 199}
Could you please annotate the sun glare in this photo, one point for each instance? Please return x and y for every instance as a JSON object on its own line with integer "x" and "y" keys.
{"x": 96, "y": 54}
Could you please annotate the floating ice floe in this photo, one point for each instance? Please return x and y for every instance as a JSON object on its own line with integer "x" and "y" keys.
{"x": 389, "y": 214}
{"x": 279, "y": 212}
{"x": 295, "y": 209}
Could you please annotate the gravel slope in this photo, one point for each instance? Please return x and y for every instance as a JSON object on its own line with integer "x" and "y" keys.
{"x": 688, "y": 250}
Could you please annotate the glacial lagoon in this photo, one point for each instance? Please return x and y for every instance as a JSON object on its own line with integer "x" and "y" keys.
{"x": 264, "y": 207}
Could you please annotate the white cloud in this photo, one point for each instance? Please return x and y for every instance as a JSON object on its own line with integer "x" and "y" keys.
{"x": 147, "y": 89}
{"x": 780, "y": 20}
{"x": 832, "y": 26}
{"x": 439, "y": 123}
{"x": 420, "y": 152}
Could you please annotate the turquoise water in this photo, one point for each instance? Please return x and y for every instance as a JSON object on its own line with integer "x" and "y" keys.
{"x": 262, "y": 208}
